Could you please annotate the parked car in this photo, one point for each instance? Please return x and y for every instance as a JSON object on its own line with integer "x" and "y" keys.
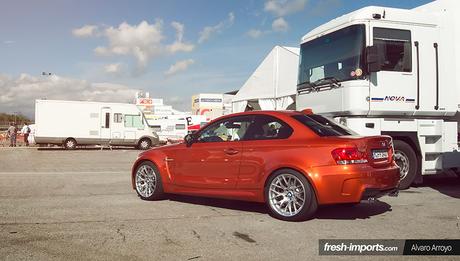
{"x": 293, "y": 161}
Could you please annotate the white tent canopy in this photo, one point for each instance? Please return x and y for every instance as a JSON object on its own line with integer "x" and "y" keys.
{"x": 272, "y": 83}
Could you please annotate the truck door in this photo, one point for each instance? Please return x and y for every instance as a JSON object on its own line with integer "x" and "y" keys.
{"x": 105, "y": 133}
{"x": 427, "y": 100}
{"x": 393, "y": 89}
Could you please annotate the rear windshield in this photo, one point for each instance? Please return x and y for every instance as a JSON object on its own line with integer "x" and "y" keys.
{"x": 322, "y": 125}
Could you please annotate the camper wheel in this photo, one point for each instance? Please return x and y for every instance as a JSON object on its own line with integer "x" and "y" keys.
{"x": 144, "y": 144}
{"x": 70, "y": 144}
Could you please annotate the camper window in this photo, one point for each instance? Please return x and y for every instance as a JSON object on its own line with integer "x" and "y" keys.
{"x": 394, "y": 47}
{"x": 134, "y": 121}
{"x": 180, "y": 126}
{"x": 117, "y": 117}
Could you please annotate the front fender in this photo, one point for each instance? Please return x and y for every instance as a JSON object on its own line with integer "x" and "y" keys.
{"x": 157, "y": 157}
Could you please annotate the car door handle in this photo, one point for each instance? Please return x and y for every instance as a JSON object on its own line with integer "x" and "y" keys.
{"x": 231, "y": 151}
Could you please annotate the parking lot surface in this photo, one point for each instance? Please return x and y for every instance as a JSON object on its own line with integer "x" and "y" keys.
{"x": 79, "y": 205}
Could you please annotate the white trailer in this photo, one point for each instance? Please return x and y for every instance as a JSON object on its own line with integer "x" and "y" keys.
{"x": 73, "y": 123}
{"x": 170, "y": 128}
{"x": 390, "y": 71}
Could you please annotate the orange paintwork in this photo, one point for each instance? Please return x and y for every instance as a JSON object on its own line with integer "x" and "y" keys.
{"x": 207, "y": 169}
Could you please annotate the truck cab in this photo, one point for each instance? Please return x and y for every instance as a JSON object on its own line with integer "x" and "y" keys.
{"x": 390, "y": 71}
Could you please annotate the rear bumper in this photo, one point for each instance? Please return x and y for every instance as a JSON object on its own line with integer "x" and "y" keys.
{"x": 353, "y": 183}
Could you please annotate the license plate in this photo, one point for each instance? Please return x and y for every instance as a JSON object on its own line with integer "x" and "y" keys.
{"x": 379, "y": 154}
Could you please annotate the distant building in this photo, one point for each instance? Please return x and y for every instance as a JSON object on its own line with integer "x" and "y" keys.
{"x": 212, "y": 105}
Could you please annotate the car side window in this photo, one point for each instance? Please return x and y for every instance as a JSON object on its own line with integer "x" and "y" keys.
{"x": 232, "y": 129}
{"x": 268, "y": 128}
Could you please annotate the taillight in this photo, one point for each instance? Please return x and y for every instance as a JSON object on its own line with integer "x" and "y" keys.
{"x": 349, "y": 156}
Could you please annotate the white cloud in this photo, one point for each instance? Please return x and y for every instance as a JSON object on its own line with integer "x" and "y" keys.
{"x": 85, "y": 31}
{"x": 19, "y": 94}
{"x": 113, "y": 68}
{"x": 254, "y": 33}
{"x": 208, "y": 31}
{"x": 9, "y": 42}
{"x": 284, "y": 7}
{"x": 179, "y": 45}
{"x": 179, "y": 66}
{"x": 143, "y": 41}
{"x": 280, "y": 25}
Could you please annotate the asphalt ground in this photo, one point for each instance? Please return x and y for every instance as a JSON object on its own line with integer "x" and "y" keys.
{"x": 79, "y": 205}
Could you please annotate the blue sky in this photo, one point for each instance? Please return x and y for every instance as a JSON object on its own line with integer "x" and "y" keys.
{"x": 38, "y": 36}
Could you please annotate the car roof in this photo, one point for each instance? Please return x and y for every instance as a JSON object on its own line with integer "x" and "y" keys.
{"x": 271, "y": 113}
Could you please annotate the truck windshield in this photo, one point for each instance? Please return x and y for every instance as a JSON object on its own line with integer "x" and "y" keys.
{"x": 338, "y": 55}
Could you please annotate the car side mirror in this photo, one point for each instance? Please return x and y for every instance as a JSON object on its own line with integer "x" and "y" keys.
{"x": 189, "y": 138}
{"x": 372, "y": 59}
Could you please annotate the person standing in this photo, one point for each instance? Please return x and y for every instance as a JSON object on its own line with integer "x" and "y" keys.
{"x": 26, "y": 132}
{"x": 12, "y": 132}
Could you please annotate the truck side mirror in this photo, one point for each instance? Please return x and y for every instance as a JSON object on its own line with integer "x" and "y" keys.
{"x": 188, "y": 139}
{"x": 372, "y": 59}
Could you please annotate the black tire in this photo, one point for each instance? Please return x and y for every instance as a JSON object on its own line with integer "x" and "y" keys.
{"x": 309, "y": 207}
{"x": 158, "y": 188}
{"x": 144, "y": 144}
{"x": 405, "y": 150}
{"x": 70, "y": 144}
{"x": 457, "y": 172}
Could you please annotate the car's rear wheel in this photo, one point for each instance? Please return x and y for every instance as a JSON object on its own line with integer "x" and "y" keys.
{"x": 289, "y": 196}
{"x": 148, "y": 181}
{"x": 406, "y": 160}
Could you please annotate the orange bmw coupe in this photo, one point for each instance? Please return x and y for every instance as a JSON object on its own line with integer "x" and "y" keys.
{"x": 293, "y": 161}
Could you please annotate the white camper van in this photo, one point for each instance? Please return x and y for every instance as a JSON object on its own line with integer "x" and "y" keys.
{"x": 390, "y": 71}
{"x": 73, "y": 123}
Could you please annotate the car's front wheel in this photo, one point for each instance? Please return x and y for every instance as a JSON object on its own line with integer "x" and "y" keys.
{"x": 289, "y": 196}
{"x": 148, "y": 181}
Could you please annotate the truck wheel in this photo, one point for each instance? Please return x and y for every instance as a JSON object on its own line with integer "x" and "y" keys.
{"x": 148, "y": 181}
{"x": 406, "y": 160}
{"x": 70, "y": 144}
{"x": 144, "y": 144}
{"x": 289, "y": 196}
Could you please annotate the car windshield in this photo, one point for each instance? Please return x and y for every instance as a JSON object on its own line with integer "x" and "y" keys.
{"x": 322, "y": 126}
{"x": 338, "y": 55}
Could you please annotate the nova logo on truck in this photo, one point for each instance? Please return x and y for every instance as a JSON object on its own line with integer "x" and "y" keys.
{"x": 395, "y": 98}
{"x": 392, "y": 99}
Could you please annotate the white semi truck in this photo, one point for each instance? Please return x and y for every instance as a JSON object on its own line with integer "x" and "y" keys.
{"x": 73, "y": 123}
{"x": 393, "y": 72}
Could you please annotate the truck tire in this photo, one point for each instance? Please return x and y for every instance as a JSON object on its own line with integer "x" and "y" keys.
{"x": 70, "y": 144}
{"x": 144, "y": 144}
{"x": 406, "y": 159}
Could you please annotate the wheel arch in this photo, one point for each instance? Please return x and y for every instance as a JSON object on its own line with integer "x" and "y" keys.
{"x": 304, "y": 173}
{"x": 136, "y": 165}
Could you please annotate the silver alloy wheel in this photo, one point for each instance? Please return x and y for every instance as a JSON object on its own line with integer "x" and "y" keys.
{"x": 402, "y": 161}
{"x": 144, "y": 144}
{"x": 70, "y": 144}
{"x": 286, "y": 195}
{"x": 146, "y": 181}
